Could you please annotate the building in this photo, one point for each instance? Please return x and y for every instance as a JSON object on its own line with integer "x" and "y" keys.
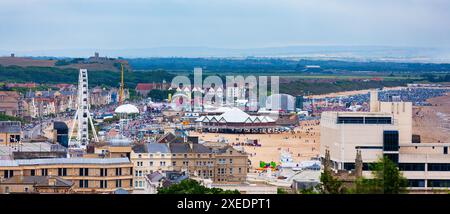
{"x": 147, "y": 159}
{"x": 144, "y": 88}
{"x": 89, "y": 175}
{"x": 10, "y": 103}
{"x": 384, "y": 131}
{"x": 162, "y": 179}
{"x": 35, "y": 150}
{"x": 219, "y": 163}
{"x": 231, "y": 165}
{"x": 36, "y": 184}
{"x": 10, "y": 132}
{"x": 235, "y": 120}
{"x": 61, "y": 133}
{"x": 281, "y": 102}
{"x": 299, "y": 103}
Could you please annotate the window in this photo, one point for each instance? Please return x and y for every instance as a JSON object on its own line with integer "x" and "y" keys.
{"x": 231, "y": 171}
{"x": 118, "y": 183}
{"x": 118, "y": 171}
{"x": 44, "y": 172}
{"x": 231, "y": 161}
{"x": 411, "y": 166}
{"x": 151, "y": 163}
{"x": 8, "y": 173}
{"x": 33, "y": 172}
{"x": 445, "y": 150}
{"x": 141, "y": 184}
{"x": 103, "y": 184}
{"x": 240, "y": 170}
{"x": 439, "y": 167}
{"x": 62, "y": 171}
{"x": 390, "y": 141}
{"x": 84, "y": 183}
{"x": 103, "y": 172}
{"x": 349, "y": 166}
{"x": 377, "y": 120}
{"x": 84, "y": 172}
{"x": 416, "y": 183}
{"x": 162, "y": 163}
{"x": 438, "y": 183}
{"x": 350, "y": 120}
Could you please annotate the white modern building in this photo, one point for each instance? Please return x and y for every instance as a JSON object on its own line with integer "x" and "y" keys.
{"x": 385, "y": 130}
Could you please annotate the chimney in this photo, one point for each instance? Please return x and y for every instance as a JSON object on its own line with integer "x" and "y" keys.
{"x": 51, "y": 181}
{"x": 374, "y": 103}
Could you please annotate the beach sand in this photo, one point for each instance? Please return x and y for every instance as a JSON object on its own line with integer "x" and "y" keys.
{"x": 303, "y": 144}
{"x": 432, "y": 123}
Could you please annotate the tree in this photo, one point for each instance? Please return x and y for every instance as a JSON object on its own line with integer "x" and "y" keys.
{"x": 389, "y": 175}
{"x": 309, "y": 191}
{"x": 190, "y": 186}
{"x": 329, "y": 184}
{"x": 387, "y": 179}
{"x": 281, "y": 191}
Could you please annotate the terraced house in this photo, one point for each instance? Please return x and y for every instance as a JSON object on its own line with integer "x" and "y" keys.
{"x": 89, "y": 175}
{"x": 218, "y": 163}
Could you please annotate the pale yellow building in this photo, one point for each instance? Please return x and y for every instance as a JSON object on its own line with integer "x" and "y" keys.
{"x": 89, "y": 175}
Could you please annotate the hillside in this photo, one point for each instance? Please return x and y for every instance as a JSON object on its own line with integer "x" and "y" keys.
{"x": 53, "y": 75}
{"x": 91, "y": 63}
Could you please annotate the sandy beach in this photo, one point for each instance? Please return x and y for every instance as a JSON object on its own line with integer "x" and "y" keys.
{"x": 302, "y": 143}
{"x": 432, "y": 123}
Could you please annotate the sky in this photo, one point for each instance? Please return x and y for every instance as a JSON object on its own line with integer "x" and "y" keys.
{"x": 130, "y": 24}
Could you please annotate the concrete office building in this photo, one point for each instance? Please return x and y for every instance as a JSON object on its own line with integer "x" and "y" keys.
{"x": 385, "y": 130}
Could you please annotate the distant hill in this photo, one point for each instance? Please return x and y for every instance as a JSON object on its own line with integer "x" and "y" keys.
{"x": 94, "y": 63}
{"x": 261, "y": 65}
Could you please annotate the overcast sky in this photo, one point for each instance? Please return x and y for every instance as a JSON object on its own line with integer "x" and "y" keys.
{"x": 122, "y": 24}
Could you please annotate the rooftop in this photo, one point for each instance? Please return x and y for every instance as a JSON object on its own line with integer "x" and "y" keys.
{"x": 10, "y": 127}
{"x": 38, "y": 181}
{"x": 55, "y": 161}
